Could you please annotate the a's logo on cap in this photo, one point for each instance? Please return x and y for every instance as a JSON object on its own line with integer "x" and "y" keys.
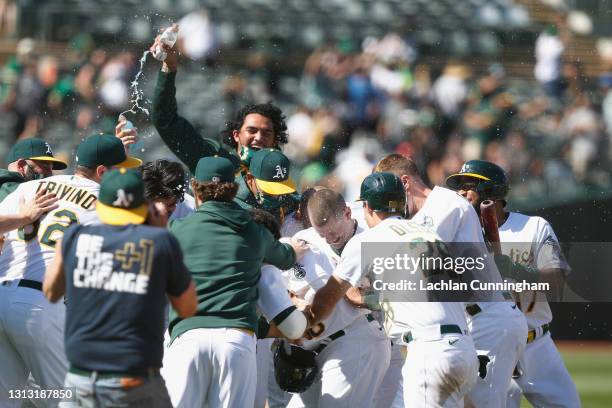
{"x": 49, "y": 152}
{"x": 216, "y": 179}
{"x": 281, "y": 172}
{"x": 123, "y": 200}
{"x": 464, "y": 168}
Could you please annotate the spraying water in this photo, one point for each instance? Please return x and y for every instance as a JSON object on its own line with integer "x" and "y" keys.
{"x": 137, "y": 94}
{"x": 136, "y": 97}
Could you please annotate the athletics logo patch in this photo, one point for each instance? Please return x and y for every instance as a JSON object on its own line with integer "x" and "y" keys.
{"x": 298, "y": 271}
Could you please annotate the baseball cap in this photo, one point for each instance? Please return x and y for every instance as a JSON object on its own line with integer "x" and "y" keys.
{"x": 214, "y": 168}
{"x": 105, "y": 150}
{"x": 270, "y": 167}
{"x": 121, "y": 200}
{"x": 34, "y": 149}
{"x": 383, "y": 192}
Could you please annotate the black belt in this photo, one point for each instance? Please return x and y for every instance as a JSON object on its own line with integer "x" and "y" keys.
{"x": 531, "y": 334}
{"x": 444, "y": 329}
{"x": 337, "y": 335}
{"x": 150, "y": 372}
{"x": 473, "y": 310}
{"x": 26, "y": 283}
{"x": 32, "y": 284}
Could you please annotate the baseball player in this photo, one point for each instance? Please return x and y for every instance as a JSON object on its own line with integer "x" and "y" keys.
{"x": 210, "y": 358}
{"x": 31, "y": 329}
{"x": 116, "y": 276}
{"x": 254, "y": 127}
{"x": 441, "y": 365}
{"x": 281, "y": 317}
{"x": 497, "y": 327}
{"x": 29, "y": 212}
{"x": 29, "y": 159}
{"x": 531, "y": 252}
{"x": 352, "y": 349}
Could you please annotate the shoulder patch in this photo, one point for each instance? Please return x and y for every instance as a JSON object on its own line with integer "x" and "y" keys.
{"x": 298, "y": 271}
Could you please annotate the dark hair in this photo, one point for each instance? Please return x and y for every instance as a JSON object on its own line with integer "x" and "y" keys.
{"x": 268, "y": 110}
{"x": 267, "y": 220}
{"x": 211, "y": 191}
{"x": 164, "y": 179}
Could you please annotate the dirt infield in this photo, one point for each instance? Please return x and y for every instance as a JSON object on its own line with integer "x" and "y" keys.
{"x": 588, "y": 345}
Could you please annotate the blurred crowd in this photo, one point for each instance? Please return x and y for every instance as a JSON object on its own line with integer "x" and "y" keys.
{"x": 350, "y": 104}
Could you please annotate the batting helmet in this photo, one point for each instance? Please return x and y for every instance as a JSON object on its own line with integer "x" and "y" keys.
{"x": 383, "y": 192}
{"x": 492, "y": 182}
{"x": 295, "y": 369}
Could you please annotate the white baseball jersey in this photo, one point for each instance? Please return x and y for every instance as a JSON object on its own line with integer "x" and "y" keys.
{"x": 27, "y": 251}
{"x": 184, "y": 208}
{"x": 273, "y": 296}
{"x": 454, "y": 219}
{"x": 291, "y": 226}
{"x": 308, "y": 276}
{"x": 406, "y": 315}
{"x": 532, "y": 242}
{"x": 450, "y": 215}
{"x": 357, "y": 214}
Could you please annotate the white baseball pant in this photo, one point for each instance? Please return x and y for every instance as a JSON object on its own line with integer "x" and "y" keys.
{"x": 390, "y": 393}
{"x": 31, "y": 341}
{"x": 351, "y": 369}
{"x": 211, "y": 367}
{"x": 439, "y": 372}
{"x": 545, "y": 381}
{"x": 499, "y": 331}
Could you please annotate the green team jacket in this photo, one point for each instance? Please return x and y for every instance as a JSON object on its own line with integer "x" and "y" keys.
{"x": 9, "y": 180}
{"x": 189, "y": 146}
{"x": 224, "y": 248}
{"x": 185, "y": 142}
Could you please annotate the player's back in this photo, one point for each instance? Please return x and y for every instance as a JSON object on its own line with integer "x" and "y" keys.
{"x": 28, "y": 250}
{"x": 410, "y": 314}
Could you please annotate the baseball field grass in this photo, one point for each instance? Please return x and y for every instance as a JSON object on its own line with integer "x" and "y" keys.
{"x": 590, "y": 365}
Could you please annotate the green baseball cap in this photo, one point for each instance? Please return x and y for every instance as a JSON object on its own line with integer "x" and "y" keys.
{"x": 216, "y": 169}
{"x": 271, "y": 167}
{"x": 383, "y": 192}
{"x": 34, "y": 149}
{"x": 121, "y": 200}
{"x": 104, "y": 150}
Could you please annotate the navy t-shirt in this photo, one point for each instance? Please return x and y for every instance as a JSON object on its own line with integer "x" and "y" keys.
{"x": 117, "y": 278}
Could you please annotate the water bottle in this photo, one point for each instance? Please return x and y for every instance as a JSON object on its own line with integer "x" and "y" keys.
{"x": 129, "y": 125}
{"x": 168, "y": 37}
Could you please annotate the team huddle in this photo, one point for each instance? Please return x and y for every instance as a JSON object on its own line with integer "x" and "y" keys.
{"x": 118, "y": 284}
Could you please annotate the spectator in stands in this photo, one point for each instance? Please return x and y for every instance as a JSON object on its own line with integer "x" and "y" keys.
{"x": 549, "y": 48}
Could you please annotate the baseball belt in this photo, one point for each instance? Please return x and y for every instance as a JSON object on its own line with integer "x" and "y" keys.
{"x": 444, "y": 329}
{"x": 533, "y": 333}
{"x": 26, "y": 283}
{"x": 473, "y": 310}
{"x": 325, "y": 342}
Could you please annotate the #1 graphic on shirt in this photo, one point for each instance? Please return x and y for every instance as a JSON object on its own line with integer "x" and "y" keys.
{"x": 95, "y": 268}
